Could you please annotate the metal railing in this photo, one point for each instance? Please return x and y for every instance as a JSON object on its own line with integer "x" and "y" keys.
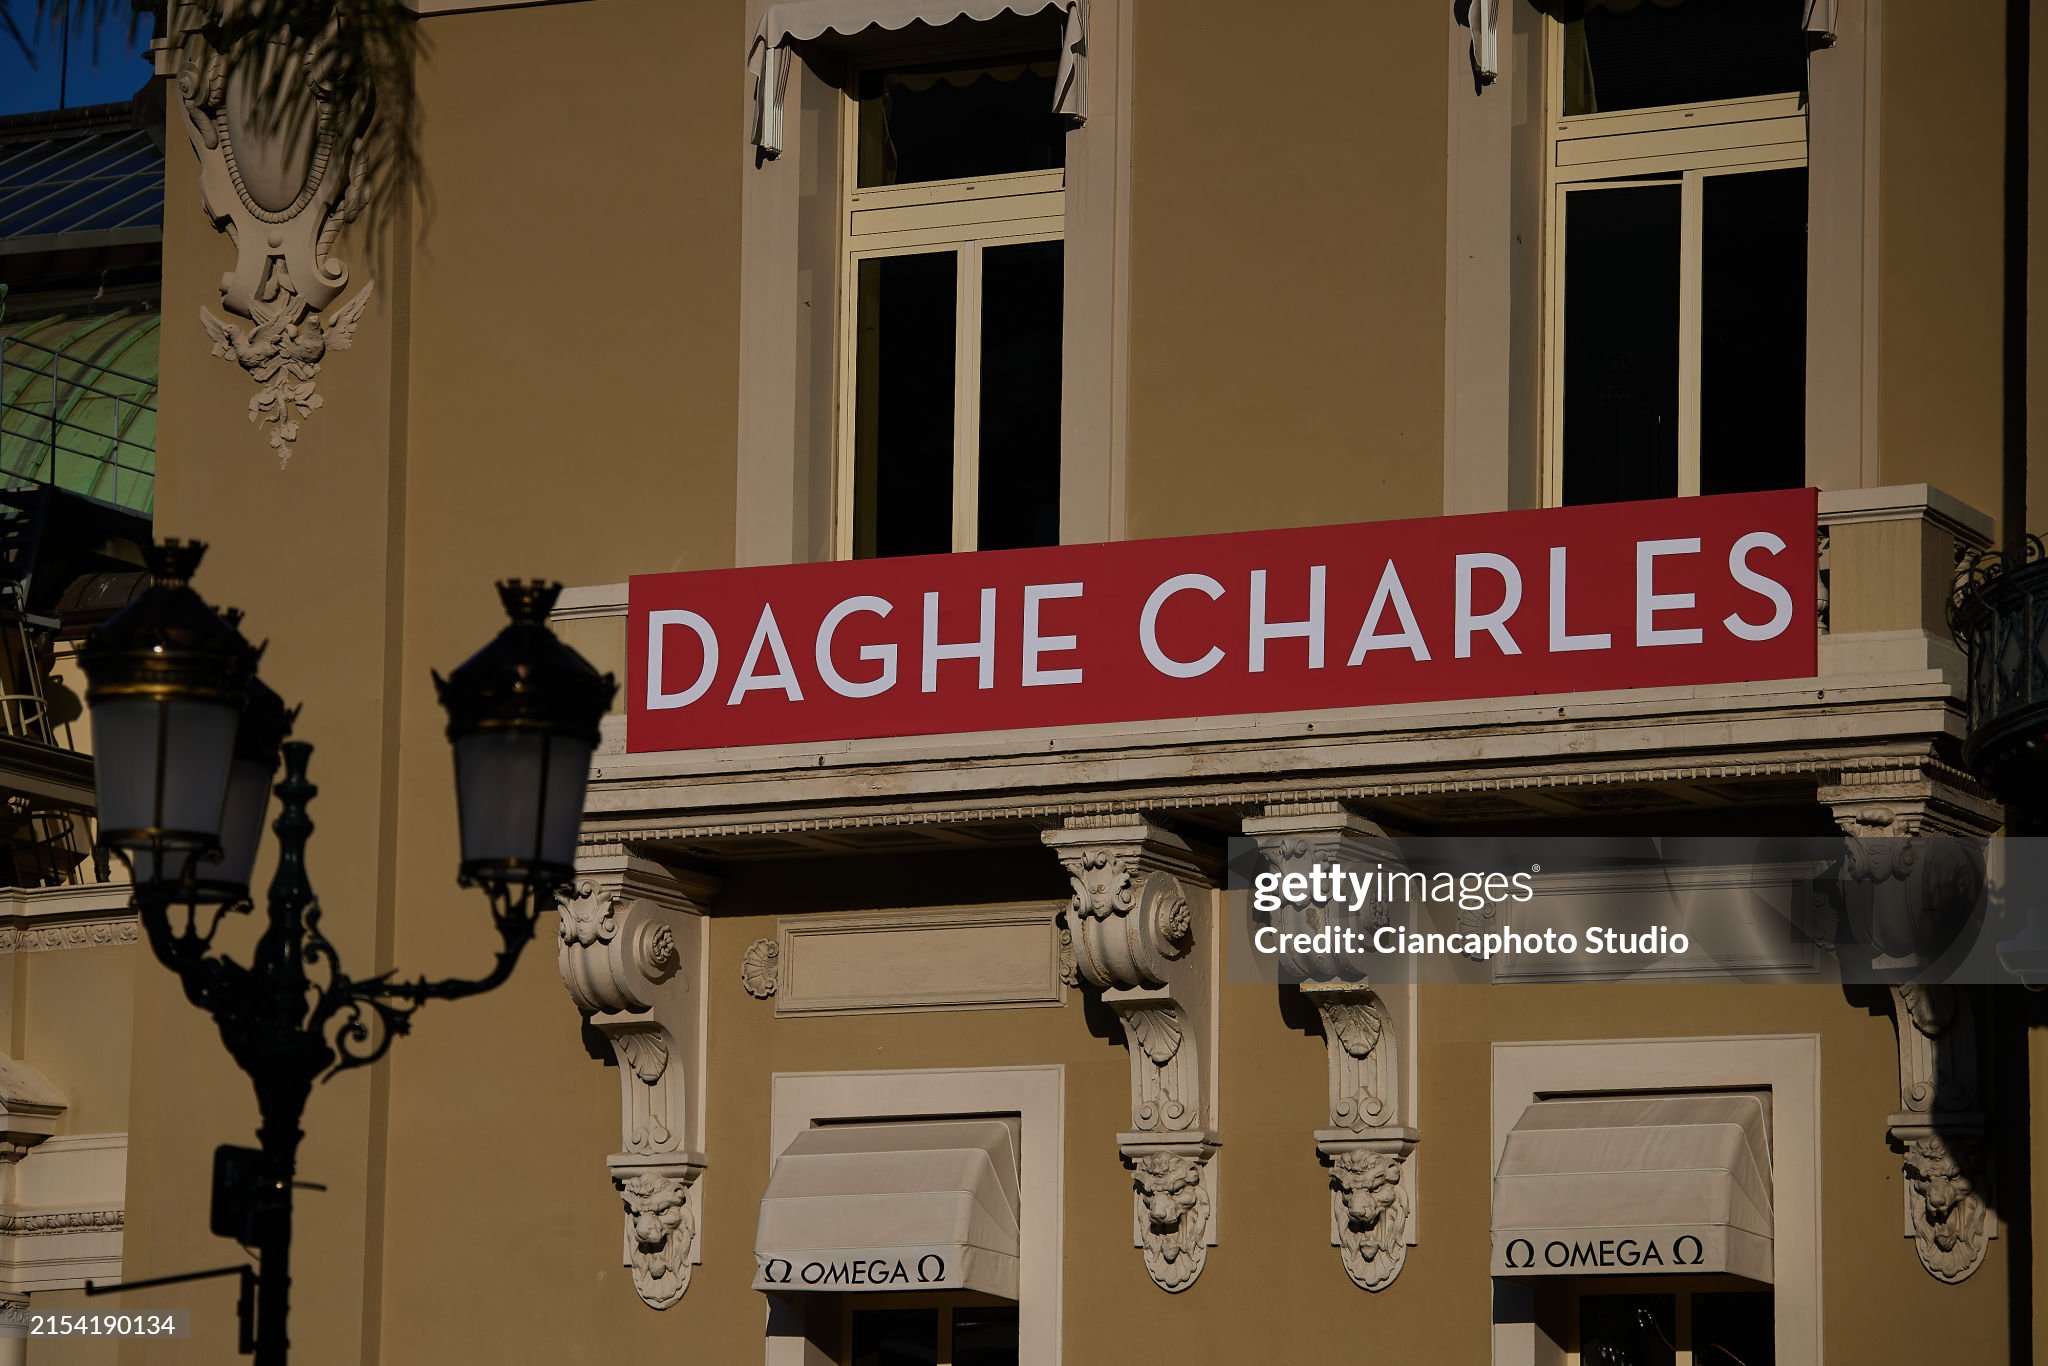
{"x": 79, "y": 423}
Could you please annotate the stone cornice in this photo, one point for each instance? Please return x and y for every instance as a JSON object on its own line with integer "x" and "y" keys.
{"x": 22, "y": 1223}
{"x": 93, "y": 915}
{"x": 1741, "y": 733}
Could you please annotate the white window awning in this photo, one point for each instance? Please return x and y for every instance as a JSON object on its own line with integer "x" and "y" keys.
{"x": 922, "y": 1205}
{"x": 802, "y": 21}
{"x": 1633, "y": 1185}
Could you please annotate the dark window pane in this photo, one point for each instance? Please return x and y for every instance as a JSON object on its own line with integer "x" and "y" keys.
{"x": 1753, "y": 332}
{"x": 1627, "y": 1330}
{"x": 1621, "y": 344}
{"x": 946, "y": 122}
{"x": 1019, "y": 492}
{"x": 1733, "y": 1330}
{"x": 895, "y": 1337}
{"x": 903, "y": 406}
{"x": 985, "y": 1337}
{"x": 1654, "y": 53}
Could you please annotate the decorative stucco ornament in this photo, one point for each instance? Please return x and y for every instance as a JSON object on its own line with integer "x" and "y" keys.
{"x": 278, "y": 128}
{"x": 1130, "y": 934}
{"x": 1371, "y": 1215}
{"x": 1173, "y": 1214}
{"x": 632, "y": 955}
{"x": 1365, "y": 1148}
{"x": 761, "y": 968}
{"x": 663, "y": 1230}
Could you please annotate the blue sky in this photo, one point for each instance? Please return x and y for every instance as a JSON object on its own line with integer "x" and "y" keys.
{"x": 117, "y": 73}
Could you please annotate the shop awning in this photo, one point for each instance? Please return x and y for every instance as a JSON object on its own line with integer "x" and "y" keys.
{"x": 924, "y": 1205}
{"x": 803, "y": 21}
{"x": 1629, "y": 1185}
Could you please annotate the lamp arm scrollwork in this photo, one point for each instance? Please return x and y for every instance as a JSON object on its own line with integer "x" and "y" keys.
{"x": 293, "y": 1004}
{"x": 367, "y": 1015}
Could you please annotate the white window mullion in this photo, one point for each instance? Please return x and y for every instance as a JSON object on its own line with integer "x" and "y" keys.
{"x": 1553, "y": 357}
{"x": 967, "y": 400}
{"x": 1690, "y": 271}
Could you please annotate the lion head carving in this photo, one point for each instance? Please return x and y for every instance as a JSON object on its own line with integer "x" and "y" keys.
{"x": 1372, "y": 1215}
{"x": 1174, "y": 1211}
{"x": 1948, "y": 1215}
{"x": 658, "y": 1210}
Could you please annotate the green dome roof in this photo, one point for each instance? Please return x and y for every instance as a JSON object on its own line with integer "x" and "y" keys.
{"x": 78, "y": 405}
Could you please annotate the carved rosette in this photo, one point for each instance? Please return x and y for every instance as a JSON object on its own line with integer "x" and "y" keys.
{"x": 1938, "y": 1130}
{"x": 632, "y": 957}
{"x": 1365, "y": 1148}
{"x": 1135, "y": 928}
{"x": 761, "y": 968}
{"x": 278, "y": 130}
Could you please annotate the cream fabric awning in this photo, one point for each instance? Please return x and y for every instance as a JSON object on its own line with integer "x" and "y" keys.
{"x": 801, "y": 21}
{"x": 923, "y": 1205}
{"x": 1628, "y": 1185}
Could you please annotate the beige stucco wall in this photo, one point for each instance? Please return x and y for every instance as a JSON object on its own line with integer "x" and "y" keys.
{"x": 1940, "y": 243}
{"x": 71, "y": 1018}
{"x": 1287, "y": 266}
{"x": 547, "y": 383}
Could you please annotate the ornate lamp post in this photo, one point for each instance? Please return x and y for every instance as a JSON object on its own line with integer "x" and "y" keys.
{"x": 186, "y": 742}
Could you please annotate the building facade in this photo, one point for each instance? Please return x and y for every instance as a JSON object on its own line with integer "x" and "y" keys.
{"x": 724, "y": 285}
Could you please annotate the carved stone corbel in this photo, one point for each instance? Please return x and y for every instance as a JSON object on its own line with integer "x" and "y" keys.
{"x": 1141, "y": 925}
{"x": 1909, "y": 797}
{"x": 1366, "y": 1146}
{"x": 1938, "y": 1130}
{"x": 1907, "y": 894}
{"x": 633, "y": 957}
{"x": 278, "y": 132}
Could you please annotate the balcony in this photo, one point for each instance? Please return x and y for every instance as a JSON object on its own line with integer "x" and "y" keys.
{"x": 1875, "y": 737}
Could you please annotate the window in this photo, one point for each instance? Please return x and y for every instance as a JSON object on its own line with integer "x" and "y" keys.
{"x": 1675, "y": 291}
{"x": 1639, "y": 1324}
{"x": 978, "y": 1333}
{"x": 950, "y": 335}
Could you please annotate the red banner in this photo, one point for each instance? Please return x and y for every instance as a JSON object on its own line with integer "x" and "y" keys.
{"x": 1621, "y": 595}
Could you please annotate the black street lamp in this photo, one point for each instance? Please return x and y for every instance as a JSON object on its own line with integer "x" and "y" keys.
{"x": 186, "y": 742}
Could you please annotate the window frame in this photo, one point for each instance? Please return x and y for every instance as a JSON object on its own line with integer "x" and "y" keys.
{"x": 1035, "y": 1093}
{"x": 966, "y": 215}
{"x": 1785, "y": 1065}
{"x": 947, "y": 1304}
{"x": 788, "y": 249}
{"x": 1622, "y": 148}
{"x": 1683, "y": 1291}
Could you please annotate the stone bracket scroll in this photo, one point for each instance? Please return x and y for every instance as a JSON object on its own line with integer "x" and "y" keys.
{"x": 1906, "y": 892}
{"x": 633, "y": 955}
{"x": 1142, "y": 926}
{"x": 1367, "y": 1145}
